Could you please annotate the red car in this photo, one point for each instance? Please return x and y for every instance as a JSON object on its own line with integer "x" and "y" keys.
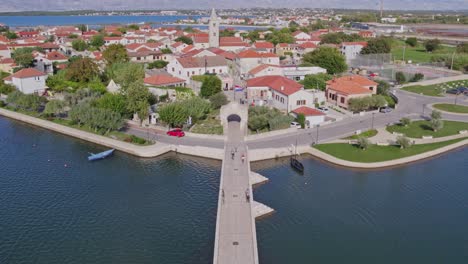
{"x": 176, "y": 133}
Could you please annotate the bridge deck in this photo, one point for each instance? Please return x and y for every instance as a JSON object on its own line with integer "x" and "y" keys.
{"x": 235, "y": 240}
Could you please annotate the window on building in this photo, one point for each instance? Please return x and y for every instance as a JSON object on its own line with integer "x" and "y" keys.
{"x": 282, "y": 100}
{"x": 342, "y": 100}
{"x": 173, "y": 70}
{"x": 300, "y": 102}
{"x": 188, "y": 74}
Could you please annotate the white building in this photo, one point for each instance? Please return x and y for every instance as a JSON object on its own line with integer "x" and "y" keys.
{"x": 279, "y": 92}
{"x": 312, "y": 116}
{"x": 186, "y": 67}
{"x": 28, "y": 81}
{"x": 351, "y": 49}
{"x": 248, "y": 59}
{"x": 299, "y": 73}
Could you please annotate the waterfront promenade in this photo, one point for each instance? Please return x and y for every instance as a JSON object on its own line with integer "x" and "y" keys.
{"x": 235, "y": 239}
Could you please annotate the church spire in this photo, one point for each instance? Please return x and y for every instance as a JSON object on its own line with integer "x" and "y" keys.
{"x": 214, "y": 30}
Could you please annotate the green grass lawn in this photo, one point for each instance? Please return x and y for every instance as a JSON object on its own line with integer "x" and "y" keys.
{"x": 452, "y": 108}
{"x": 418, "y": 54}
{"x": 113, "y": 134}
{"x": 378, "y": 153}
{"x": 434, "y": 89}
{"x": 211, "y": 125}
{"x": 417, "y": 129}
{"x": 365, "y": 134}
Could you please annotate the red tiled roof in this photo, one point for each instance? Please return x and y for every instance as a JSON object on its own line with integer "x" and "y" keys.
{"x": 162, "y": 79}
{"x": 260, "y": 68}
{"x": 253, "y": 54}
{"x": 55, "y": 55}
{"x": 278, "y": 83}
{"x": 188, "y": 48}
{"x": 27, "y": 73}
{"x": 3, "y": 47}
{"x": 264, "y": 45}
{"x": 351, "y": 85}
{"x": 308, "y": 45}
{"x": 7, "y": 61}
{"x": 49, "y": 45}
{"x": 307, "y": 111}
{"x": 199, "y": 62}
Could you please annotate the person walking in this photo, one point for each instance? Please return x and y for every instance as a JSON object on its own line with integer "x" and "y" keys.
{"x": 243, "y": 158}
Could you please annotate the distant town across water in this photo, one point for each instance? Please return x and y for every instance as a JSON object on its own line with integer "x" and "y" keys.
{"x": 95, "y": 21}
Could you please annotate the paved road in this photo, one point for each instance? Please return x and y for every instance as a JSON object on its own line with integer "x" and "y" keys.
{"x": 235, "y": 241}
{"x": 410, "y": 105}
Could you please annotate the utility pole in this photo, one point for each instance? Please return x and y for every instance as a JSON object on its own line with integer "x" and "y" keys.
{"x": 404, "y": 51}
{"x": 372, "y": 125}
{"x": 381, "y": 9}
{"x": 317, "y": 138}
{"x": 451, "y": 65}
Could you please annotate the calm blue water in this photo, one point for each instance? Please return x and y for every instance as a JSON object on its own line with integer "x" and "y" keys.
{"x": 21, "y": 21}
{"x": 163, "y": 210}
{"x": 93, "y": 21}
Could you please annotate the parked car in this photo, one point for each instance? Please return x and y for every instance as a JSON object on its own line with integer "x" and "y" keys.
{"x": 177, "y": 132}
{"x": 295, "y": 125}
{"x": 322, "y": 109}
{"x": 459, "y": 90}
{"x": 385, "y": 109}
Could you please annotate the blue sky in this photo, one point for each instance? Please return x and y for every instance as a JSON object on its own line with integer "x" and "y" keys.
{"x": 22, "y": 5}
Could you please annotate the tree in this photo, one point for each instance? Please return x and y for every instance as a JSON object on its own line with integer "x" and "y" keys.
{"x": 436, "y": 114}
{"x": 30, "y": 102}
{"x": 339, "y": 37}
{"x": 82, "y": 27}
{"x": 280, "y": 36}
{"x": 196, "y": 107}
{"x": 227, "y": 33}
{"x": 218, "y": 100}
{"x": 211, "y": 85}
{"x": 23, "y": 57}
{"x": 405, "y": 121}
{"x": 363, "y": 143}
{"x": 54, "y": 107}
{"x": 417, "y": 77}
{"x": 403, "y": 141}
{"x": 97, "y": 41}
{"x": 115, "y": 53}
{"x": 6, "y": 88}
{"x": 82, "y": 70}
{"x": 137, "y": 100}
{"x": 431, "y": 45}
{"x": 133, "y": 27}
{"x": 125, "y": 74}
{"x": 328, "y": 58}
{"x": 79, "y": 45}
{"x": 257, "y": 123}
{"x": 400, "y": 77}
{"x": 316, "y": 81}
{"x": 462, "y": 48}
{"x": 159, "y": 64}
{"x": 99, "y": 119}
{"x": 437, "y": 124}
{"x": 378, "y": 101}
{"x": 166, "y": 51}
{"x": 184, "y": 39}
{"x": 114, "y": 102}
{"x": 383, "y": 87}
{"x": 413, "y": 42}
{"x": 378, "y": 46}
{"x": 301, "y": 120}
{"x": 173, "y": 114}
{"x": 11, "y": 35}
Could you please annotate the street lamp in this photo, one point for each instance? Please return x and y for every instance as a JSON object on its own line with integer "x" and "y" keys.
{"x": 456, "y": 97}
{"x": 451, "y": 65}
{"x": 317, "y": 138}
{"x": 372, "y": 125}
{"x": 423, "y": 108}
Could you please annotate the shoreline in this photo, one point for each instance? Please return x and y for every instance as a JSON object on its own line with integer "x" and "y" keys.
{"x": 256, "y": 155}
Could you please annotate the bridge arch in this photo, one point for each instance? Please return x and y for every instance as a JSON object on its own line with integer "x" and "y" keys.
{"x": 233, "y": 118}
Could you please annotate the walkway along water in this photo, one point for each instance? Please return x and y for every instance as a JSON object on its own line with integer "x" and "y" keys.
{"x": 236, "y": 239}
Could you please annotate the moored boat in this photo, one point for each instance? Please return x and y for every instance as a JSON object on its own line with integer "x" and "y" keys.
{"x": 101, "y": 155}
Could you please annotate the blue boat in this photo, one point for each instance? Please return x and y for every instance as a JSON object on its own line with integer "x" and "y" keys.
{"x": 101, "y": 155}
